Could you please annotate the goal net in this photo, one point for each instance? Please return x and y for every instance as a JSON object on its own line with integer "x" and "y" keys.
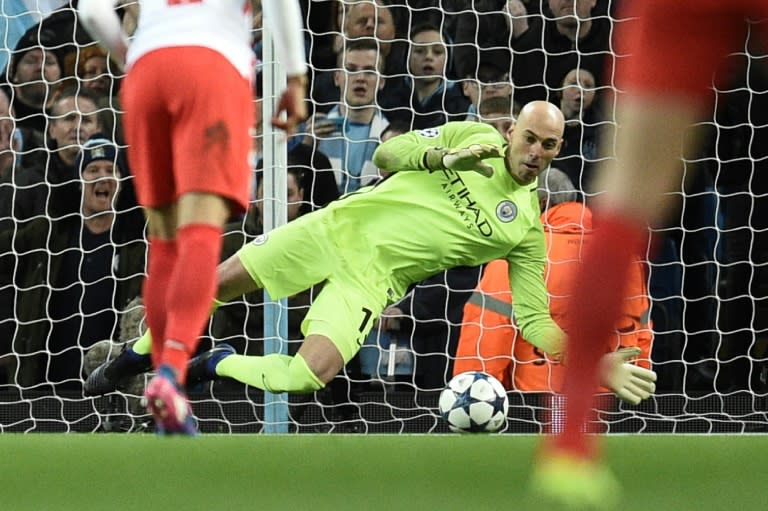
{"x": 67, "y": 290}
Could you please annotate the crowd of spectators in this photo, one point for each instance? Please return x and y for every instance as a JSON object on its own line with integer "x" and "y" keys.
{"x": 378, "y": 68}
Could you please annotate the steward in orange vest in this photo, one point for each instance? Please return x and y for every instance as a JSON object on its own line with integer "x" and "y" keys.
{"x": 489, "y": 340}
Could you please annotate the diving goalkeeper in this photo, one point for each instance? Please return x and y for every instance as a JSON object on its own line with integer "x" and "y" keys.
{"x": 460, "y": 195}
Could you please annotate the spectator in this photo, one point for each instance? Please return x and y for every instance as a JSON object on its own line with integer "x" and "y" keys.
{"x": 429, "y": 99}
{"x": 58, "y": 18}
{"x": 51, "y": 186}
{"x": 489, "y": 81}
{"x": 92, "y": 69}
{"x": 10, "y": 146}
{"x": 322, "y": 188}
{"x": 488, "y": 33}
{"x": 323, "y": 25}
{"x": 489, "y": 339}
{"x": 15, "y": 21}
{"x": 430, "y": 316}
{"x": 573, "y": 37}
{"x": 365, "y": 20}
{"x": 72, "y": 274}
{"x": 350, "y": 132}
{"x": 9, "y": 150}
{"x": 739, "y": 151}
{"x": 319, "y": 184}
{"x": 33, "y": 70}
{"x": 26, "y": 144}
{"x": 499, "y": 112}
{"x": 582, "y": 125}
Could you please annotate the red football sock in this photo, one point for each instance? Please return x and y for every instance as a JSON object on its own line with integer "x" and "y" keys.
{"x": 190, "y": 293}
{"x": 161, "y": 260}
{"x": 594, "y": 308}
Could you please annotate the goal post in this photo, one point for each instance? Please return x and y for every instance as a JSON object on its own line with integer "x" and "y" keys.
{"x": 275, "y": 215}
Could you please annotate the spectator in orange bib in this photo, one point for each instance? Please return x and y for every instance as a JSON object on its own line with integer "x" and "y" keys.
{"x": 490, "y": 341}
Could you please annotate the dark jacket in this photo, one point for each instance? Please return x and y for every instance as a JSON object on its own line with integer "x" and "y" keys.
{"x": 30, "y": 263}
{"x": 579, "y": 154}
{"x": 446, "y": 104}
{"x": 51, "y": 187}
{"x": 435, "y": 308}
{"x": 538, "y": 70}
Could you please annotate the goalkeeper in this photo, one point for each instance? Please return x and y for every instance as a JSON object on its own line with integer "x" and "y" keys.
{"x": 460, "y": 195}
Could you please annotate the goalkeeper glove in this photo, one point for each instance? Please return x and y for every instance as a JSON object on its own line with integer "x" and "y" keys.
{"x": 467, "y": 158}
{"x": 629, "y": 382}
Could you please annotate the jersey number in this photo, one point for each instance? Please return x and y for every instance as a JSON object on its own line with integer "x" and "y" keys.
{"x": 367, "y": 313}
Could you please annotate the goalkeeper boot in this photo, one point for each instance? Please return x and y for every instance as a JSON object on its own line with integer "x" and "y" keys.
{"x": 564, "y": 481}
{"x": 111, "y": 374}
{"x": 168, "y": 404}
{"x": 202, "y": 368}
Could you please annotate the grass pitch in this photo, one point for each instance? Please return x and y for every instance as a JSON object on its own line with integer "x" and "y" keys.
{"x": 129, "y": 472}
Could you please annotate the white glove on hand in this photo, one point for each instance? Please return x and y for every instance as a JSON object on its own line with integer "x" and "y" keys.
{"x": 467, "y": 158}
{"x": 629, "y": 382}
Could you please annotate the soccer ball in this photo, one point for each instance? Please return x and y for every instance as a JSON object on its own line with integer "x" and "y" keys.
{"x": 474, "y": 402}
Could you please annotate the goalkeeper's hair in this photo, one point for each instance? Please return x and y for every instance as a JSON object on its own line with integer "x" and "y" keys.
{"x": 555, "y": 187}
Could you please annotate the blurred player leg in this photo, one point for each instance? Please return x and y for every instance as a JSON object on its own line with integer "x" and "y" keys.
{"x": 192, "y": 173}
{"x": 654, "y": 115}
{"x": 161, "y": 260}
{"x": 189, "y": 293}
{"x": 575, "y": 483}
{"x": 192, "y": 284}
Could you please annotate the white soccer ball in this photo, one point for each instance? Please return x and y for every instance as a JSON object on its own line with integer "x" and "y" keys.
{"x": 474, "y": 402}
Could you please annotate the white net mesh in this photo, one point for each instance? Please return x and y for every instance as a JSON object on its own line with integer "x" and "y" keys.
{"x": 63, "y": 289}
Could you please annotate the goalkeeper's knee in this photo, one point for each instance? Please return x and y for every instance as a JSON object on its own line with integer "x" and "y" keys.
{"x": 300, "y": 376}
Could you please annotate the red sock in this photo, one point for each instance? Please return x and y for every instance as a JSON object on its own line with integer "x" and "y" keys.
{"x": 161, "y": 260}
{"x": 190, "y": 293}
{"x": 594, "y": 308}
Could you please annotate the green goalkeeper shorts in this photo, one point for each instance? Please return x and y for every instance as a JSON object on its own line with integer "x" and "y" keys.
{"x": 301, "y": 254}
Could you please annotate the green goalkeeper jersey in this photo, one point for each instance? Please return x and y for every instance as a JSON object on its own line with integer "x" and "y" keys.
{"x": 417, "y": 223}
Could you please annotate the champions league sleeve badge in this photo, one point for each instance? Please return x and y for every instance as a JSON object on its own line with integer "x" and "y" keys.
{"x": 260, "y": 239}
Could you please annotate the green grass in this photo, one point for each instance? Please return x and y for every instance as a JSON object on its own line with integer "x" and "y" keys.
{"x": 108, "y": 472}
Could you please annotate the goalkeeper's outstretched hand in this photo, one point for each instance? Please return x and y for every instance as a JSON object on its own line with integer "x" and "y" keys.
{"x": 629, "y": 382}
{"x": 467, "y": 158}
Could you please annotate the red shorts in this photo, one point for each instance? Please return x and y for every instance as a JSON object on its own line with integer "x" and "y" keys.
{"x": 675, "y": 46}
{"x": 188, "y": 116}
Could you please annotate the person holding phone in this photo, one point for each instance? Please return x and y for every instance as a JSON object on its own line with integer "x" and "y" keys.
{"x": 349, "y": 133}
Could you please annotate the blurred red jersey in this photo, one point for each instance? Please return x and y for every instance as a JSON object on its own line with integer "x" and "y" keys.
{"x": 674, "y": 47}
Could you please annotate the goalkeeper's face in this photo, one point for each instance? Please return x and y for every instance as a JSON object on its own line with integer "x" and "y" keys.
{"x": 534, "y": 141}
